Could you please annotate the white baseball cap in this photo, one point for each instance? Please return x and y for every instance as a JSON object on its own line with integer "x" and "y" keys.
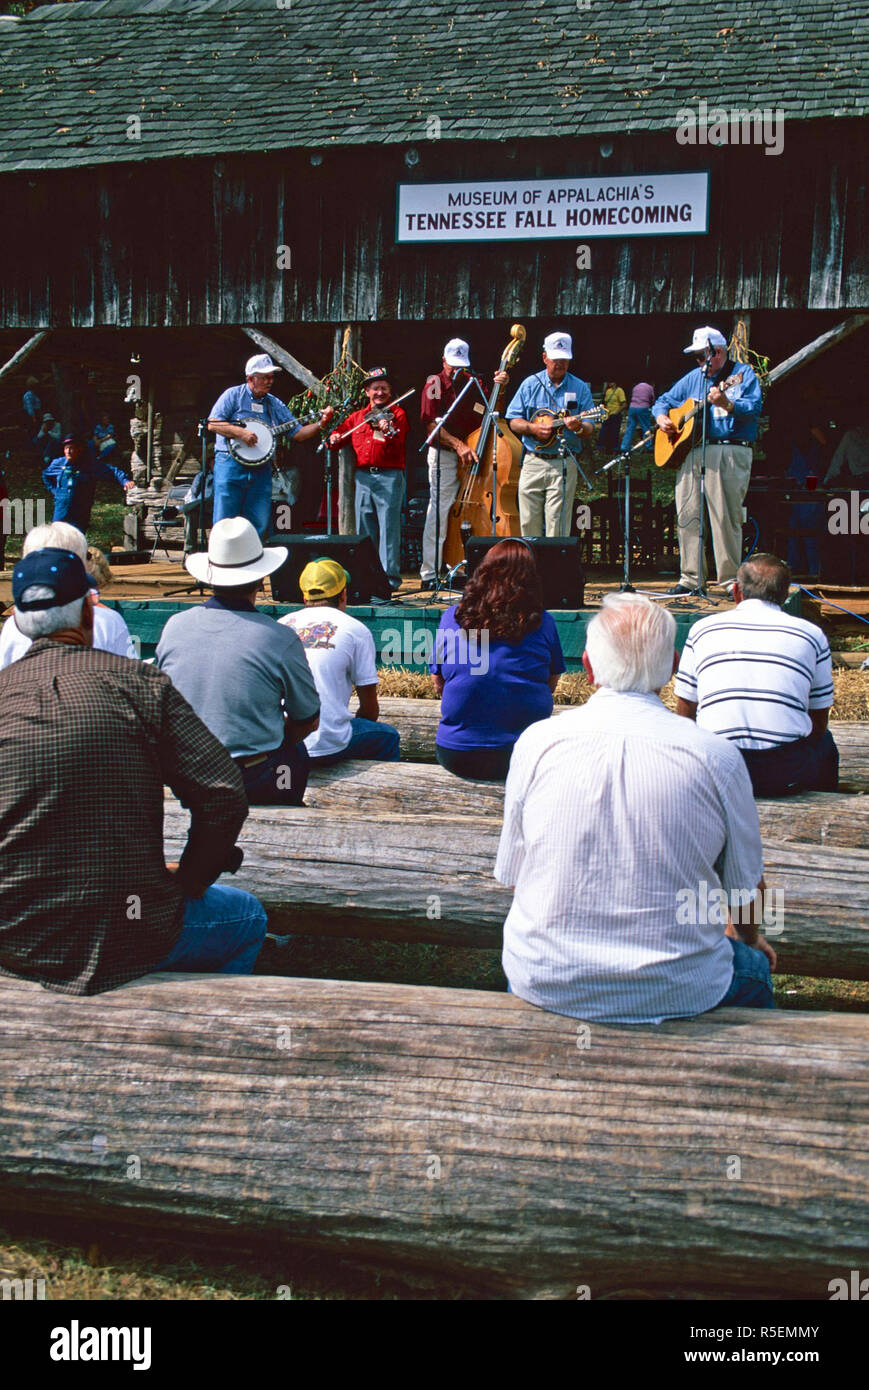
{"x": 457, "y": 353}
{"x": 558, "y": 347}
{"x": 262, "y": 364}
{"x": 236, "y": 556}
{"x": 703, "y": 338}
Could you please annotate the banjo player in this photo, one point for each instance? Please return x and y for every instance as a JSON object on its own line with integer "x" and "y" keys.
{"x": 246, "y": 489}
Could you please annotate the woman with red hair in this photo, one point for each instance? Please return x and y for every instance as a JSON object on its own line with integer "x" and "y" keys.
{"x": 496, "y": 662}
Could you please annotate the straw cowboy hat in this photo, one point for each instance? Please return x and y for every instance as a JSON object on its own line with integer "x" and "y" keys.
{"x": 236, "y": 556}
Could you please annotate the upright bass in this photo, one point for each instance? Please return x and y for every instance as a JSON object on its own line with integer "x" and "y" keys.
{"x": 473, "y": 505}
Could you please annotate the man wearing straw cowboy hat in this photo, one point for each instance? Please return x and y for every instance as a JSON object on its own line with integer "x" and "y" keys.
{"x": 245, "y": 675}
{"x": 241, "y": 491}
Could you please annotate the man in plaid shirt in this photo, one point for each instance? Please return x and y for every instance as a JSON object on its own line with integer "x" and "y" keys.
{"x": 87, "y": 742}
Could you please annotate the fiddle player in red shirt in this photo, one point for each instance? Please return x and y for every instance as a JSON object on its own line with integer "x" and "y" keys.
{"x": 379, "y": 447}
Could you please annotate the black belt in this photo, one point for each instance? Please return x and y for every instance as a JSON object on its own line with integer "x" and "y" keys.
{"x": 368, "y": 468}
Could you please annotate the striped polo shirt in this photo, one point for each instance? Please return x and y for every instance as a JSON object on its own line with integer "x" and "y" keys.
{"x": 755, "y": 673}
{"x": 621, "y": 821}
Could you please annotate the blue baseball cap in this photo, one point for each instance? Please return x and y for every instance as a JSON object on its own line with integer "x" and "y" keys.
{"x": 59, "y": 570}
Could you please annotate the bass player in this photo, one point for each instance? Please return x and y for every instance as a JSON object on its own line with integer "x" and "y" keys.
{"x": 547, "y": 483}
{"x": 732, "y": 417}
{"x": 241, "y": 491}
{"x": 448, "y": 451}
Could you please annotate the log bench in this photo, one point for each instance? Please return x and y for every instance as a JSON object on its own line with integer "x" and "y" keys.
{"x": 461, "y": 1133}
{"x": 428, "y": 791}
{"x": 417, "y": 722}
{"x": 403, "y": 876}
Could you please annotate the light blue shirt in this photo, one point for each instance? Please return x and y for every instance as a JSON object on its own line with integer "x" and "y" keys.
{"x": 537, "y": 392}
{"x": 738, "y": 428}
{"x": 238, "y": 404}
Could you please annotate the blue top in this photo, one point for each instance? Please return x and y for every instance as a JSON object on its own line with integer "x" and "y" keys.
{"x": 493, "y": 689}
{"x": 537, "y": 392}
{"x": 74, "y": 485}
{"x": 238, "y": 404}
{"x": 738, "y": 428}
{"x": 32, "y": 403}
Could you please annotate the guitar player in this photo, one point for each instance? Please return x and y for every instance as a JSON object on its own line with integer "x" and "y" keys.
{"x": 732, "y": 417}
{"x": 546, "y": 488}
{"x": 240, "y": 491}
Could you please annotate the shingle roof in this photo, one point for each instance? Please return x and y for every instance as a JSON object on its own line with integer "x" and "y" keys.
{"x": 215, "y": 76}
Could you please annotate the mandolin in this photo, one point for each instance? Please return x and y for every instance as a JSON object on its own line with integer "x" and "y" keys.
{"x": 669, "y": 453}
{"x": 556, "y": 419}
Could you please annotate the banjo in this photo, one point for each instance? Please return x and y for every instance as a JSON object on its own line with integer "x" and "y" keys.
{"x": 263, "y": 451}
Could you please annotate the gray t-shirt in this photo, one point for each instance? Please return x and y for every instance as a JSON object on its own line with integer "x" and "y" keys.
{"x": 239, "y": 670}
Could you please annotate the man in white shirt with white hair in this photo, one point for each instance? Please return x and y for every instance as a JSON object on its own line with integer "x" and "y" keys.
{"x": 631, "y": 838}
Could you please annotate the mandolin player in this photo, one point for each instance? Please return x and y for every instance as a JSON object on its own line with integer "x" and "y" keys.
{"x": 240, "y": 491}
{"x": 547, "y": 484}
{"x": 732, "y": 417}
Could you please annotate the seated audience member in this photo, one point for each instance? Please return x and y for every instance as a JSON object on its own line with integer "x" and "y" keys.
{"x": 47, "y": 441}
{"x": 341, "y": 655}
{"x": 849, "y": 467}
{"x": 764, "y": 679}
{"x": 496, "y": 662}
{"x": 621, "y": 824}
{"x": 244, "y": 674}
{"x": 111, "y": 633}
{"x": 87, "y": 901}
{"x": 103, "y": 437}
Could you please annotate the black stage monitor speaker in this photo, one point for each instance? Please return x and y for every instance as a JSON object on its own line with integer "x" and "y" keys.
{"x": 355, "y": 553}
{"x": 561, "y": 573}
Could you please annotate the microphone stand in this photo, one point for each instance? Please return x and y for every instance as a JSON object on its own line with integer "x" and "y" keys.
{"x": 623, "y": 460}
{"x": 435, "y": 432}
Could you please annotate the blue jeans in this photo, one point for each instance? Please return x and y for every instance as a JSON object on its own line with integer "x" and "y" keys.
{"x": 240, "y": 491}
{"x": 639, "y": 419}
{"x": 751, "y": 986}
{"x": 280, "y": 779}
{"x": 223, "y": 933}
{"x": 379, "y": 498}
{"x": 368, "y": 739}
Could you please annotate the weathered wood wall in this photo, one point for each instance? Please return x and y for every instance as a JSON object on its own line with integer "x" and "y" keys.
{"x": 192, "y": 242}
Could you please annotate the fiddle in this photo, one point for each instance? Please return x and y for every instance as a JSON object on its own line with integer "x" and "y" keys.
{"x": 378, "y": 417}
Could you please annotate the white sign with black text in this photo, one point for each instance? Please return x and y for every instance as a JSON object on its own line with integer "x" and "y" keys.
{"x": 540, "y": 209}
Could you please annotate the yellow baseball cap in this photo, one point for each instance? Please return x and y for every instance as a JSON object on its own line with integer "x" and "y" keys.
{"x": 323, "y": 578}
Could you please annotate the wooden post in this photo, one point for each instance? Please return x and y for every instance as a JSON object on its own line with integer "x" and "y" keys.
{"x": 346, "y": 456}
{"x": 284, "y": 358}
{"x": 149, "y": 442}
{"x": 816, "y": 347}
{"x": 23, "y": 352}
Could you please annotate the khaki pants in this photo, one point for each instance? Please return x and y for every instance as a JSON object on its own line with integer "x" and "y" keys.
{"x": 546, "y": 497}
{"x": 448, "y": 492}
{"x": 728, "y": 470}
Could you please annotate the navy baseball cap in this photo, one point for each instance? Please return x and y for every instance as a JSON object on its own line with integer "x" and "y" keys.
{"x": 59, "y": 570}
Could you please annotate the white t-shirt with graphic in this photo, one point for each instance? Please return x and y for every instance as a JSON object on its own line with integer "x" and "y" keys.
{"x": 341, "y": 655}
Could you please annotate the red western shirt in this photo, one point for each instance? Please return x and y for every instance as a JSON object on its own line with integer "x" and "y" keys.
{"x": 438, "y": 395}
{"x": 369, "y": 445}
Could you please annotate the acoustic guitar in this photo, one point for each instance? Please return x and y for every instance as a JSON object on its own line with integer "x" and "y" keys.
{"x": 669, "y": 453}
{"x": 555, "y": 420}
